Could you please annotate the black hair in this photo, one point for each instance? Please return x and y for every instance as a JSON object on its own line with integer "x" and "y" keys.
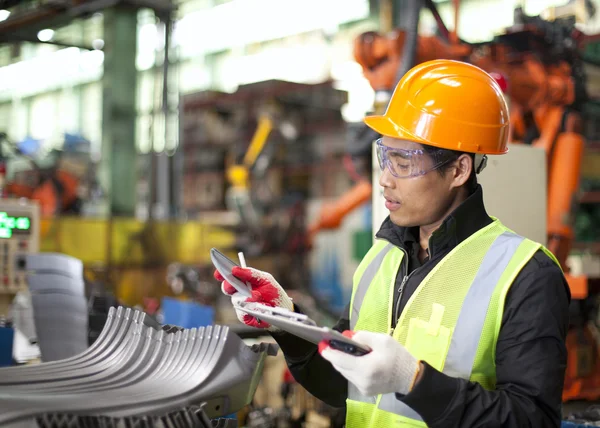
{"x": 448, "y": 157}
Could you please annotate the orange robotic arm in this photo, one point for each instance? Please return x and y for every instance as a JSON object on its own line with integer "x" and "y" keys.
{"x": 332, "y": 214}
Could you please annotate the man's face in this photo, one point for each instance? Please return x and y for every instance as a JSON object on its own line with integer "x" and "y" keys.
{"x": 415, "y": 201}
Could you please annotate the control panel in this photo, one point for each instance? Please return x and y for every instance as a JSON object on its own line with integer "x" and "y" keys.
{"x": 19, "y": 234}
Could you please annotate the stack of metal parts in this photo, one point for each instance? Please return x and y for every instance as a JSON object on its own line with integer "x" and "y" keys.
{"x": 137, "y": 374}
{"x": 60, "y": 314}
{"x": 589, "y": 417}
{"x": 188, "y": 417}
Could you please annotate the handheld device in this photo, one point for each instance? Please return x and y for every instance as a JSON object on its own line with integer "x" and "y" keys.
{"x": 225, "y": 265}
{"x": 302, "y": 326}
{"x": 349, "y": 348}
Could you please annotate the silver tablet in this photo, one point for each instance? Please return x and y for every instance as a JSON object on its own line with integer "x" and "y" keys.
{"x": 224, "y": 265}
{"x": 302, "y": 326}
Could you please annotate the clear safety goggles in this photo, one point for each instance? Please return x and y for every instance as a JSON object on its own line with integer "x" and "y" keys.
{"x": 404, "y": 163}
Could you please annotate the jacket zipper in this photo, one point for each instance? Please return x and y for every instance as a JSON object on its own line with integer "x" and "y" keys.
{"x": 401, "y": 292}
{"x": 405, "y": 279}
{"x": 401, "y": 288}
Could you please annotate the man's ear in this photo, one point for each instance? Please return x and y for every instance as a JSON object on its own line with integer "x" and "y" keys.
{"x": 461, "y": 172}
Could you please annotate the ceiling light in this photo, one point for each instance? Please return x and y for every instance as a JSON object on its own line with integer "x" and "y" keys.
{"x": 4, "y": 14}
{"x": 98, "y": 44}
{"x": 45, "y": 35}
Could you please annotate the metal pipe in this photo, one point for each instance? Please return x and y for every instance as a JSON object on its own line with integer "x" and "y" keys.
{"x": 58, "y": 14}
{"x": 411, "y": 38}
{"x": 31, "y": 39}
{"x": 168, "y": 162}
{"x": 454, "y": 34}
{"x": 444, "y": 32}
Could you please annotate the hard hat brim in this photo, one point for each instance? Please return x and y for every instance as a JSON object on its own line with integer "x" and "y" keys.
{"x": 387, "y": 128}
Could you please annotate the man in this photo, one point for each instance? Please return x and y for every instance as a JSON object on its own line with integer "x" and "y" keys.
{"x": 466, "y": 320}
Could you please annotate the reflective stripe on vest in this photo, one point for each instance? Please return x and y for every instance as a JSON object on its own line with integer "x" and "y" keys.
{"x": 364, "y": 283}
{"x": 467, "y": 332}
{"x": 391, "y": 404}
{"x": 354, "y": 394}
{"x": 465, "y": 339}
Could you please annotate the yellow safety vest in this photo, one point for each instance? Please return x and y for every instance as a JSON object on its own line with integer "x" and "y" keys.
{"x": 452, "y": 320}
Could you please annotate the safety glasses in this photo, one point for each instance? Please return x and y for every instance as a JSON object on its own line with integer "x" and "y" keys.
{"x": 404, "y": 163}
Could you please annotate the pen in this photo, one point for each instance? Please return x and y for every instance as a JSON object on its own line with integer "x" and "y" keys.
{"x": 243, "y": 264}
{"x": 242, "y": 259}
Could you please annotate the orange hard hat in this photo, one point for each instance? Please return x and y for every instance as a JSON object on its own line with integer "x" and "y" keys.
{"x": 447, "y": 104}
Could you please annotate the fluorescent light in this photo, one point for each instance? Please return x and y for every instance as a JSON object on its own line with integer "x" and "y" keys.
{"x": 4, "y": 14}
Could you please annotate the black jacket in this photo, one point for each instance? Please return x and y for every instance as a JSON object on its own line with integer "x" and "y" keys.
{"x": 531, "y": 354}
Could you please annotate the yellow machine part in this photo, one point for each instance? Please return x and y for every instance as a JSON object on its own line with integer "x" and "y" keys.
{"x": 135, "y": 253}
{"x": 265, "y": 126}
{"x": 239, "y": 175}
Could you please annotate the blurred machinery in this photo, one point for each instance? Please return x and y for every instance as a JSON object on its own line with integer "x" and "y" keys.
{"x": 252, "y": 160}
{"x": 19, "y": 234}
{"x": 29, "y": 17}
{"x": 538, "y": 63}
{"x": 58, "y": 179}
{"x": 246, "y": 196}
{"x": 192, "y": 283}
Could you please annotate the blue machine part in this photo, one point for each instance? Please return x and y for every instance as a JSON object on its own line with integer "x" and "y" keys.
{"x": 29, "y": 146}
{"x": 327, "y": 284}
{"x": 7, "y": 336}
{"x": 75, "y": 143}
{"x": 567, "y": 424}
{"x": 186, "y": 314}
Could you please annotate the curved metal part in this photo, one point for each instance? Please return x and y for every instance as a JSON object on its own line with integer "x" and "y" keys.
{"x": 208, "y": 365}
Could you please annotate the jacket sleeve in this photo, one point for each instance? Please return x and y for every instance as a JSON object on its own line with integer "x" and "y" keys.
{"x": 531, "y": 359}
{"x": 312, "y": 371}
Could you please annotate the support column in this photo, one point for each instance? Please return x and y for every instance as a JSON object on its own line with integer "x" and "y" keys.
{"x": 400, "y": 17}
{"x": 119, "y": 84}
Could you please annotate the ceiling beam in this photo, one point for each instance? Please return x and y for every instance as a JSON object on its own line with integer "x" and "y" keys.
{"x": 56, "y": 14}
{"x": 32, "y": 38}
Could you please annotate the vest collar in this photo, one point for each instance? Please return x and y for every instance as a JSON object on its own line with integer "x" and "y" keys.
{"x": 466, "y": 219}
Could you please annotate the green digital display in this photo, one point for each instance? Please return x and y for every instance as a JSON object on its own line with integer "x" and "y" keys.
{"x": 10, "y": 225}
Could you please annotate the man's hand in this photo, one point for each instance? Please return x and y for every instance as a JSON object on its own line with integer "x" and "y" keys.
{"x": 264, "y": 288}
{"x": 389, "y": 367}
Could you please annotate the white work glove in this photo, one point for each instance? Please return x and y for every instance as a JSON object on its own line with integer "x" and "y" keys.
{"x": 389, "y": 367}
{"x": 264, "y": 288}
